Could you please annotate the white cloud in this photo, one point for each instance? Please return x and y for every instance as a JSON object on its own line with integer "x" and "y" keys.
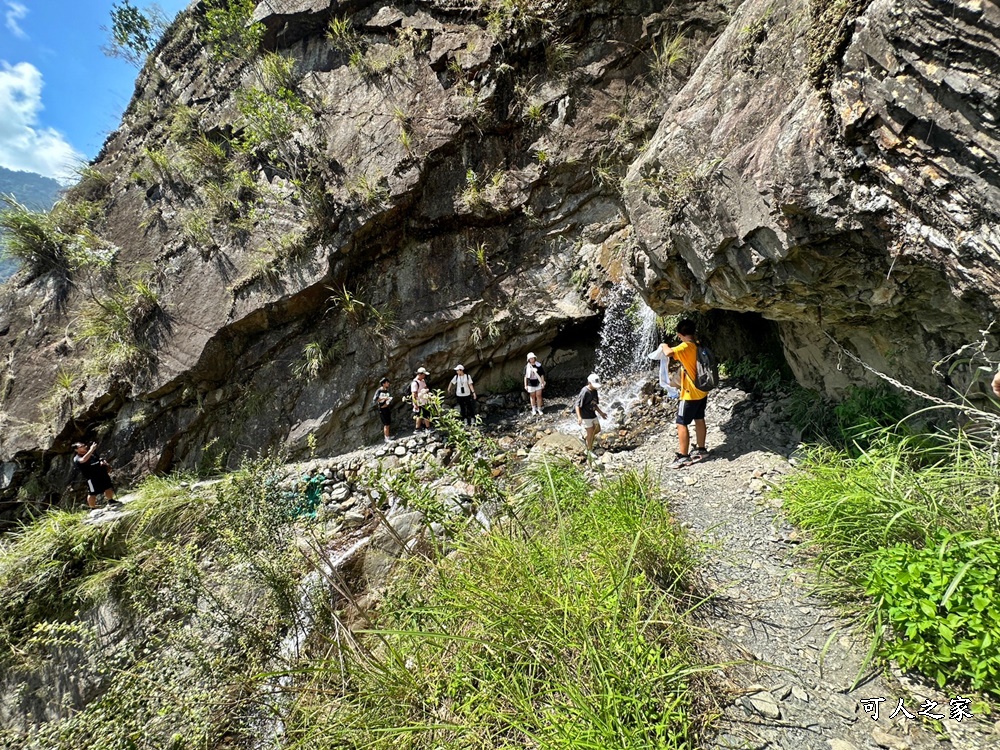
{"x": 24, "y": 145}
{"x": 15, "y": 12}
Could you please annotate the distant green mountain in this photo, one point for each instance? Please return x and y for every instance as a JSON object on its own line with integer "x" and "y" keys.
{"x": 32, "y": 190}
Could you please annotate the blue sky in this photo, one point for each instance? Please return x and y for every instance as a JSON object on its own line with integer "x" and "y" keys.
{"x": 60, "y": 95}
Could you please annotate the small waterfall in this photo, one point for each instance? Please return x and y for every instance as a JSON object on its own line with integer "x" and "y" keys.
{"x": 628, "y": 334}
{"x": 276, "y": 695}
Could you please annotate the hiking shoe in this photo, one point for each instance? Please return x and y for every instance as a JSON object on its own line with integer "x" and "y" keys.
{"x": 680, "y": 461}
{"x": 699, "y": 454}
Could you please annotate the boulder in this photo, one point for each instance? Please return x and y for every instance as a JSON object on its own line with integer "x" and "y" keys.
{"x": 560, "y": 446}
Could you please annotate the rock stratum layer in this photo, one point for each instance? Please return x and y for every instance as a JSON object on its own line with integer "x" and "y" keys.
{"x": 832, "y": 166}
{"x": 306, "y": 198}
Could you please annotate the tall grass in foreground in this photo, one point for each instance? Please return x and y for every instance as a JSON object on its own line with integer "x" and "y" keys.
{"x": 908, "y": 536}
{"x": 564, "y": 628}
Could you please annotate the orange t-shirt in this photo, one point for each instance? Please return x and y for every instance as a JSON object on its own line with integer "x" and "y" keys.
{"x": 687, "y": 355}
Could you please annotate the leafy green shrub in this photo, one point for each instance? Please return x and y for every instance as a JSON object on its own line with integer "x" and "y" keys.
{"x": 269, "y": 120}
{"x": 229, "y": 30}
{"x": 942, "y": 602}
{"x": 894, "y": 492}
{"x": 134, "y": 32}
{"x": 914, "y": 521}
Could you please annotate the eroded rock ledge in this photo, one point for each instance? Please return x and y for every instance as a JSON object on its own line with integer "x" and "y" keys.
{"x": 833, "y": 167}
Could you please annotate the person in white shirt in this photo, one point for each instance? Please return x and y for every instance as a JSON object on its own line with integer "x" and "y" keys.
{"x": 534, "y": 382}
{"x": 420, "y": 395}
{"x": 465, "y": 391}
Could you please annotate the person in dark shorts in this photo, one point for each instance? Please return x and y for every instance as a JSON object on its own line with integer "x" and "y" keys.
{"x": 420, "y": 395}
{"x": 95, "y": 471}
{"x": 465, "y": 392}
{"x": 587, "y": 409}
{"x": 383, "y": 402}
{"x": 534, "y": 383}
{"x": 693, "y": 401}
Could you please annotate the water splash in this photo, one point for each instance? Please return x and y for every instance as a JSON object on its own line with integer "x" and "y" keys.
{"x": 629, "y": 332}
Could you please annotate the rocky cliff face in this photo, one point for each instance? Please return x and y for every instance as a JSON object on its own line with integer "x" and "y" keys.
{"x": 304, "y": 198}
{"x": 306, "y": 195}
{"x": 832, "y": 165}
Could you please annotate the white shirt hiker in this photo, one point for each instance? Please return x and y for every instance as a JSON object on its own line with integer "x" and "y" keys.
{"x": 463, "y": 385}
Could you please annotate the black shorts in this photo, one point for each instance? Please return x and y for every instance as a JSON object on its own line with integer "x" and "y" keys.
{"x": 423, "y": 413}
{"x": 386, "y": 416}
{"x": 99, "y": 484}
{"x": 690, "y": 411}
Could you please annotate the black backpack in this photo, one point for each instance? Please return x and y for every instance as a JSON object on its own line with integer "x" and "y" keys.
{"x": 707, "y": 376}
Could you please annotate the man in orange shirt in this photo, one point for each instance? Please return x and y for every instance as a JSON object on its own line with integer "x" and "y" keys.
{"x": 692, "y": 403}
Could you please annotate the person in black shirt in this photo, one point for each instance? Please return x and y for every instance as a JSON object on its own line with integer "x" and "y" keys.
{"x": 95, "y": 471}
{"x": 383, "y": 402}
{"x": 588, "y": 407}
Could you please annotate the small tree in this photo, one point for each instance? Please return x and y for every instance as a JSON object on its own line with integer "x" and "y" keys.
{"x": 134, "y": 32}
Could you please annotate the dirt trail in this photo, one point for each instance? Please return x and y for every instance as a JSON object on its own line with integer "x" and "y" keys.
{"x": 799, "y": 659}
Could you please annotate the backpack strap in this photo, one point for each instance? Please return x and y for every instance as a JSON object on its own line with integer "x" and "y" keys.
{"x": 687, "y": 374}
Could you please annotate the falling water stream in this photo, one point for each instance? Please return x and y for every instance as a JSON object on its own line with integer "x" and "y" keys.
{"x": 629, "y": 332}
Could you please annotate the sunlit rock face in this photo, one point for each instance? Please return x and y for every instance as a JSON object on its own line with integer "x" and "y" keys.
{"x": 442, "y": 185}
{"x": 837, "y": 173}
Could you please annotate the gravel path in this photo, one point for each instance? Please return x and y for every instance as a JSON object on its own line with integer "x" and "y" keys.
{"x": 797, "y": 660}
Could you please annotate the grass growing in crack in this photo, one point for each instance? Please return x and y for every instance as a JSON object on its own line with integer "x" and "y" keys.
{"x": 560, "y": 628}
{"x": 907, "y": 534}
{"x": 117, "y": 326}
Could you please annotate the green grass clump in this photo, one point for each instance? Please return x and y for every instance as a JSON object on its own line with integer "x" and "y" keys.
{"x": 60, "y": 240}
{"x": 166, "y": 613}
{"x": 907, "y": 533}
{"x": 117, "y": 326}
{"x": 851, "y": 423}
{"x": 562, "y": 628}
{"x": 760, "y": 373}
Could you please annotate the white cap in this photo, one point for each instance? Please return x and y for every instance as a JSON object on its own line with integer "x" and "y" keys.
{"x": 422, "y": 371}
{"x": 594, "y": 380}
{"x": 531, "y": 355}
{"x": 459, "y": 367}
